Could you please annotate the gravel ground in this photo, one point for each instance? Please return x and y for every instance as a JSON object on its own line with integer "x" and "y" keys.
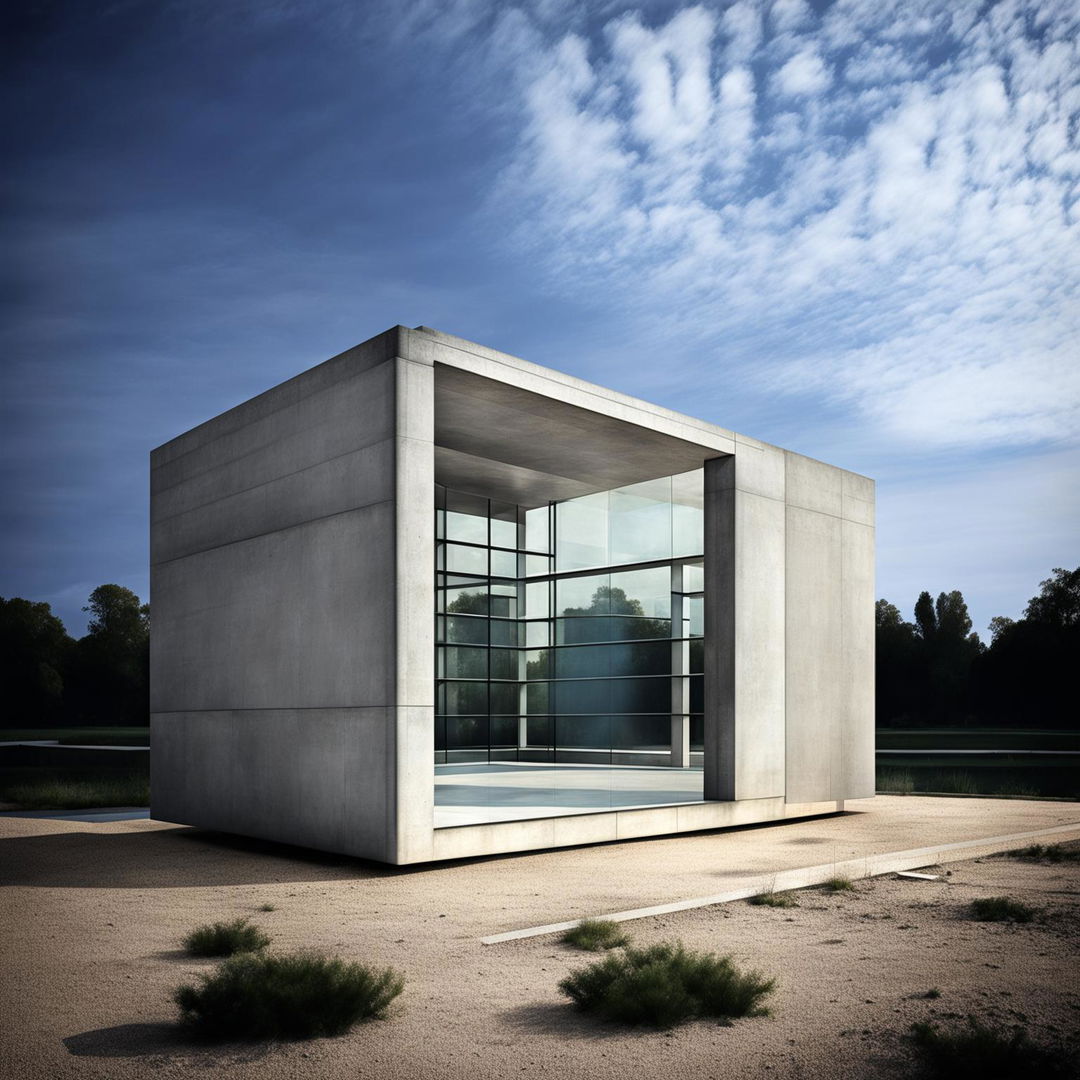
{"x": 93, "y": 914}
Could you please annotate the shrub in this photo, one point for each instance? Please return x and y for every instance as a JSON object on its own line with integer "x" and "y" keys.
{"x": 225, "y": 938}
{"x": 664, "y": 985}
{"x": 297, "y": 996}
{"x": 1054, "y": 853}
{"x": 267, "y": 907}
{"x": 595, "y": 935}
{"x": 773, "y": 899}
{"x": 979, "y": 1051}
{"x": 1001, "y": 909}
{"x": 839, "y": 883}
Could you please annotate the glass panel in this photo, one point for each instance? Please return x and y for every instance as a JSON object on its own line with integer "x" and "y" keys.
{"x": 466, "y": 560}
{"x": 467, "y": 733}
{"x": 583, "y": 595}
{"x": 536, "y": 600}
{"x": 466, "y": 518}
{"x": 695, "y": 605}
{"x": 504, "y": 731}
{"x": 639, "y": 520}
{"x": 581, "y": 532}
{"x": 536, "y": 529}
{"x": 697, "y": 655}
{"x": 462, "y": 628}
{"x": 466, "y": 697}
{"x": 537, "y": 564}
{"x": 467, "y": 600}
{"x": 504, "y": 665}
{"x": 697, "y": 693}
{"x": 642, "y": 592}
{"x": 599, "y": 661}
{"x": 583, "y": 732}
{"x": 504, "y": 531}
{"x": 504, "y": 698}
{"x": 540, "y": 731}
{"x": 581, "y": 631}
{"x": 465, "y": 663}
{"x": 538, "y": 664}
{"x": 688, "y": 514}
{"x": 537, "y": 697}
{"x": 693, "y": 577}
{"x": 505, "y": 633}
{"x": 537, "y": 634}
{"x": 641, "y": 733}
{"x": 503, "y": 563}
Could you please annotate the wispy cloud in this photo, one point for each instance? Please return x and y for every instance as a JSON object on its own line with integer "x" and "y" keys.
{"x": 877, "y": 206}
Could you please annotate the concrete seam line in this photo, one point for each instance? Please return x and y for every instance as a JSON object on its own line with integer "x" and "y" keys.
{"x": 800, "y": 878}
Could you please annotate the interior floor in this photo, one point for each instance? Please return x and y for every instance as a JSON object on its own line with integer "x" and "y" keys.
{"x": 474, "y": 794}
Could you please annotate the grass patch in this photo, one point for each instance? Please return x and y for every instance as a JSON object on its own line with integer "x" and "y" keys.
{"x": 1054, "y": 853}
{"x": 898, "y": 781}
{"x": 773, "y": 899}
{"x": 52, "y": 793}
{"x": 225, "y": 939}
{"x": 664, "y": 985}
{"x": 296, "y": 996}
{"x": 595, "y": 935}
{"x": 267, "y": 907}
{"x": 1001, "y": 909}
{"x": 839, "y": 883}
{"x": 932, "y": 994}
{"x": 978, "y": 1051}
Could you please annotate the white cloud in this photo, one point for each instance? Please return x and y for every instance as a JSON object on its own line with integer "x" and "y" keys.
{"x": 901, "y": 241}
{"x": 804, "y": 73}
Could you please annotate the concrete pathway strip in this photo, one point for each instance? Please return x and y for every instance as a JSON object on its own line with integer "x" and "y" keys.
{"x": 888, "y": 862}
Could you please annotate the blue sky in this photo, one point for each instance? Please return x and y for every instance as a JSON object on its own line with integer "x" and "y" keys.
{"x": 848, "y": 228}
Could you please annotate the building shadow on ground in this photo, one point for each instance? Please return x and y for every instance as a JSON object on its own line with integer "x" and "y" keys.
{"x": 161, "y": 1041}
{"x": 168, "y": 858}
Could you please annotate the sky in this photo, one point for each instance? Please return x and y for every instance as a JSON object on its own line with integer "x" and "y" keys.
{"x": 847, "y": 228}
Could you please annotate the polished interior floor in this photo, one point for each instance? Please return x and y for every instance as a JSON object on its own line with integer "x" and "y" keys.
{"x": 481, "y": 793}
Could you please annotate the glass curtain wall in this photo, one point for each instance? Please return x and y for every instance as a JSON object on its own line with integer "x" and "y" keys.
{"x": 571, "y": 636}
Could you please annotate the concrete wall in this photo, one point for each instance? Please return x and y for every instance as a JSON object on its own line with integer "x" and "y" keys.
{"x": 274, "y": 550}
{"x": 790, "y": 628}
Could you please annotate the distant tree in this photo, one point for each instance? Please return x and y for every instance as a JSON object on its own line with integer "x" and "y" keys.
{"x": 34, "y": 654}
{"x": 1028, "y": 675}
{"x": 1059, "y": 602}
{"x": 111, "y": 663}
{"x": 925, "y": 617}
{"x": 896, "y": 642}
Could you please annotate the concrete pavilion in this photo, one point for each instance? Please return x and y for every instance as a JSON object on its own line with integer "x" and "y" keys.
{"x": 428, "y": 600}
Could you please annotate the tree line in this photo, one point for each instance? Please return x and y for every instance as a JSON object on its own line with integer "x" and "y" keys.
{"x": 931, "y": 671}
{"x": 50, "y": 679}
{"x": 936, "y": 671}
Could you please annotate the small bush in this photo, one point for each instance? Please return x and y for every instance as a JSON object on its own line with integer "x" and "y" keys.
{"x": 1054, "y": 853}
{"x": 664, "y": 985}
{"x": 839, "y": 883}
{"x": 773, "y": 899}
{"x": 1001, "y": 909}
{"x": 225, "y": 939}
{"x": 595, "y": 935}
{"x": 298, "y": 996}
{"x": 979, "y": 1051}
{"x": 932, "y": 994}
{"x": 267, "y": 907}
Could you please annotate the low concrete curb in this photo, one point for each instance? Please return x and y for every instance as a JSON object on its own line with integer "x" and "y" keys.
{"x": 800, "y": 878}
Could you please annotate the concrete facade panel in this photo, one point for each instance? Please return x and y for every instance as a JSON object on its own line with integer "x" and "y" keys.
{"x": 312, "y": 777}
{"x": 857, "y": 734}
{"x": 317, "y": 429}
{"x": 759, "y": 751}
{"x": 814, "y": 662}
{"x": 302, "y": 618}
{"x": 813, "y": 485}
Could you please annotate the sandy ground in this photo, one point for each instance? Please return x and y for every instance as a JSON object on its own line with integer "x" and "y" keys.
{"x": 92, "y": 916}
